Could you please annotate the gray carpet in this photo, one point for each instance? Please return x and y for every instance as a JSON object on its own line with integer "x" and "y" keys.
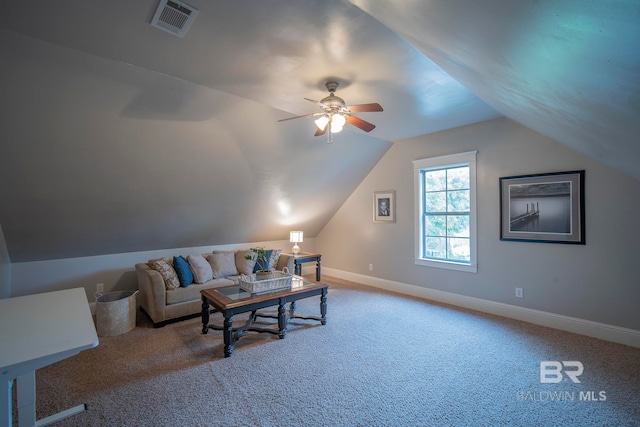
{"x": 383, "y": 359}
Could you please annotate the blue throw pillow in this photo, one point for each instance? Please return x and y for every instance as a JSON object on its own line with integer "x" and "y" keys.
{"x": 182, "y": 269}
{"x": 259, "y": 267}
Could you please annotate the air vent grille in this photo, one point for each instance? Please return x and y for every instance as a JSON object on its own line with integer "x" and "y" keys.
{"x": 174, "y": 17}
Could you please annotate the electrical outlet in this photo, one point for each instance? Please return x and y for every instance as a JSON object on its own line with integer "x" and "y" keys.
{"x": 519, "y": 293}
{"x": 100, "y": 287}
{"x": 370, "y": 267}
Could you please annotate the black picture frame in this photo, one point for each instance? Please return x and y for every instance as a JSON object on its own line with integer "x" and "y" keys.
{"x": 545, "y": 208}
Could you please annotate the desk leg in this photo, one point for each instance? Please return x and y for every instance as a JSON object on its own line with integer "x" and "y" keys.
{"x": 26, "y": 397}
{"x": 6, "y": 405}
{"x": 318, "y": 270}
{"x": 61, "y": 415}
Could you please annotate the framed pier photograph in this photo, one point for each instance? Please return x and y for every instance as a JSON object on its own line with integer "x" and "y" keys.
{"x": 546, "y": 208}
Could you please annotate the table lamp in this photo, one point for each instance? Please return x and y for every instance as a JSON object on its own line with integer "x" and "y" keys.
{"x": 295, "y": 237}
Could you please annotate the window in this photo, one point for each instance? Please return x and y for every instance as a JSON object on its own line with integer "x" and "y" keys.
{"x": 445, "y": 227}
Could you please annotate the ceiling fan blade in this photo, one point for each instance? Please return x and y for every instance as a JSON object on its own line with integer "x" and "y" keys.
{"x": 320, "y": 132}
{"x": 316, "y": 102}
{"x": 297, "y": 117}
{"x": 364, "y": 108}
{"x": 359, "y": 123}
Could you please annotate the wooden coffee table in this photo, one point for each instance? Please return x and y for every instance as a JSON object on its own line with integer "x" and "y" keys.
{"x": 231, "y": 300}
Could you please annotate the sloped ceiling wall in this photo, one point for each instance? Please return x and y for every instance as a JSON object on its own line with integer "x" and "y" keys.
{"x": 102, "y": 157}
{"x": 569, "y": 70}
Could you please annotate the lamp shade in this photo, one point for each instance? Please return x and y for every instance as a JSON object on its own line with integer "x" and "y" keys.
{"x": 295, "y": 236}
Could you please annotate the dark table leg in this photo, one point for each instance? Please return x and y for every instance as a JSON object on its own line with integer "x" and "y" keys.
{"x": 297, "y": 268}
{"x": 318, "y": 270}
{"x": 282, "y": 320}
{"x": 228, "y": 336}
{"x": 323, "y": 306}
{"x": 205, "y": 315}
{"x": 292, "y": 309}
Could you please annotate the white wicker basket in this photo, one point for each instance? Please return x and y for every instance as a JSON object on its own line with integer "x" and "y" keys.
{"x": 281, "y": 280}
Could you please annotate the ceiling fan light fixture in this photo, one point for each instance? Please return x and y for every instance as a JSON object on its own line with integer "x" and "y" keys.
{"x": 322, "y": 122}
{"x": 337, "y": 123}
{"x": 336, "y": 113}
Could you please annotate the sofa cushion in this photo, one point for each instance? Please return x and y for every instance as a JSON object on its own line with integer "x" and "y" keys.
{"x": 192, "y": 293}
{"x": 286, "y": 260}
{"x": 163, "y": 266}
{"x": 244, "y": 265}
{"x": 273, "y": 259}
{"x": 223, "y": 263}
{"x": 201, "y": 268}
{"x": 183, "y": 271}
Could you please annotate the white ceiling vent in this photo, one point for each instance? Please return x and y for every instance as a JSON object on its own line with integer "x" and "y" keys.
{"x": 174, "y": 17}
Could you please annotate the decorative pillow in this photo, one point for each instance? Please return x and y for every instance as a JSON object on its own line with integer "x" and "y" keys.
{"x": 273, "y": 260}
{"x": 223, "y": 264}
{"x": 200, "y": 268}
{"x": 183, "y": 271}
{"x": 163, "y": 266}
{"x": 244, "y": 265}
{"x": 258, "y": 266}
{"x": 165, "y": 259}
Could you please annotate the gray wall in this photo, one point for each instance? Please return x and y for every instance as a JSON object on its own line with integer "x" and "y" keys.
{"x": 598, "y": 281}
{"x": 116, "y": 272}
{"x": 5, "y": 268}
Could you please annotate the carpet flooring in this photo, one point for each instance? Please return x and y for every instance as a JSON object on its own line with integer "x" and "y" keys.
{"x": 382, "y": 359}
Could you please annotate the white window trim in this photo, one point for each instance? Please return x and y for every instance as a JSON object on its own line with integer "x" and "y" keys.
{"x": 468, "y": 158}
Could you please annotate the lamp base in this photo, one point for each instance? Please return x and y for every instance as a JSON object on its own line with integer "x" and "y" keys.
{"x": 295, "y": 249}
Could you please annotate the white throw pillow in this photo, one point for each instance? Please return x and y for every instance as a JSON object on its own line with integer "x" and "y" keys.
{"x": 200, "y": 268}
{"x": 275, "y": 256}
{"x": 244, "y": 265}
{"x": 223, "y": 264}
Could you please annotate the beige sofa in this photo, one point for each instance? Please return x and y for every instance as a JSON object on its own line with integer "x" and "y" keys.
{"x": 163, "y": 302}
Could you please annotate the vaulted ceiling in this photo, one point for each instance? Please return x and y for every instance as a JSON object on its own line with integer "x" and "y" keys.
{"x": 119, "y": 137}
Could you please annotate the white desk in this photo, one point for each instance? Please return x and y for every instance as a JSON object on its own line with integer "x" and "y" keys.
{"x": 36, "y": 331}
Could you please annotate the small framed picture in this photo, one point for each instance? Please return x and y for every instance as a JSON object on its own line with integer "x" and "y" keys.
{"x": 546, "y": 208}
{"x": 384, "y": 206}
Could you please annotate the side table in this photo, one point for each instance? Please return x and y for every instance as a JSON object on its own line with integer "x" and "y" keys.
{"x": 303, "y": 257}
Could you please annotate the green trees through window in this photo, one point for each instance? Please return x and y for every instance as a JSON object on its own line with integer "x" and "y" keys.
{"x": 446, "y": 211}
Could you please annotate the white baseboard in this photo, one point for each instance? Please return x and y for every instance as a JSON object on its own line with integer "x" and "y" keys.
{"x": 603, "y": 331}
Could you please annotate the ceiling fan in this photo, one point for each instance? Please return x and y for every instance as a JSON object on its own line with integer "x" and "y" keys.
{"x": 335, "y": 113}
